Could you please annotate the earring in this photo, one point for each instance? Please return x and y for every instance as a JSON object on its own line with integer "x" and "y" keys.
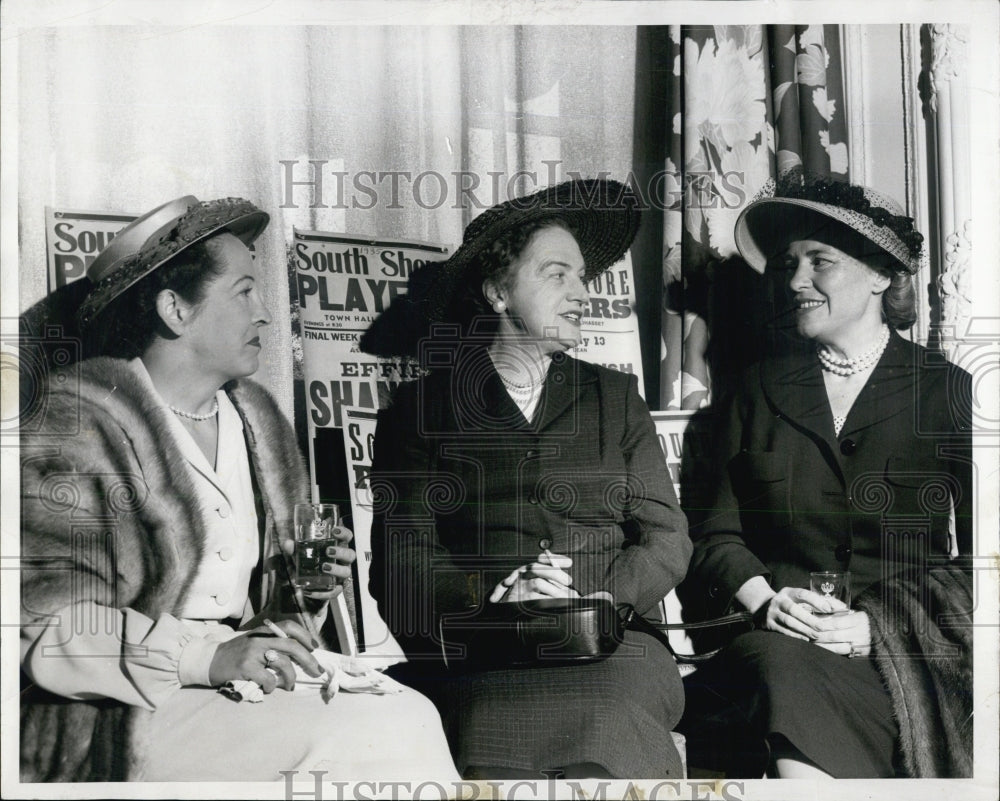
{"x": 499, "y": 306}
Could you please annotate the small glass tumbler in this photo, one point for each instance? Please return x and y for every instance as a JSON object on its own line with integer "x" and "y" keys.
{"x": 314, "y": 532}
{"x": 832, "y": 584}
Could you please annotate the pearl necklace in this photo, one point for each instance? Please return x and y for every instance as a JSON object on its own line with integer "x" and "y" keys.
{"x": 523, "y": 395}
{"x": 846, "y": 367}
{"x": 514, "y": 387}
{"x": 198, "y": 418}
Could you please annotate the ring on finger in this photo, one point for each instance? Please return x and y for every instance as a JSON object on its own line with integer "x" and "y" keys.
{"x": 271, "y": 655}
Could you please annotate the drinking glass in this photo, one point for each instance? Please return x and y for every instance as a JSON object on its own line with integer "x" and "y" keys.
{"x": 314, "y": 527}
{"x": 832, "y": 584}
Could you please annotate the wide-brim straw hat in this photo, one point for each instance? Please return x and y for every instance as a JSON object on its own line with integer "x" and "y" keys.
{"x": 603, "y": 214}
{"x": 160, "y": 235}
{"x": 796, "y": 202}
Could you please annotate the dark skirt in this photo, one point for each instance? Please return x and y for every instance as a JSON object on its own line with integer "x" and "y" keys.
{"x": 617, "y": 713}
{"x": 834, "y": 710}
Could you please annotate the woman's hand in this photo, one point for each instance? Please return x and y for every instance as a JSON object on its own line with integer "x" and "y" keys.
{"x": 339, "y": 559}
{"x": 544, "y": 578}
{"x": 848, "y": 634}
{"x": 243, "y": 658}
{"x": 790, "y": 611}
{"x": 311, "y": 602}
{"x": 337, "y": 564}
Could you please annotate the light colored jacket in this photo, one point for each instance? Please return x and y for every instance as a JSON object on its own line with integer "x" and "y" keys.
{"x": 108, "y": 516}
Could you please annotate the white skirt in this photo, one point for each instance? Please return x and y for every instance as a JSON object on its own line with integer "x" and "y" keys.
{"x": 200, "y": 735}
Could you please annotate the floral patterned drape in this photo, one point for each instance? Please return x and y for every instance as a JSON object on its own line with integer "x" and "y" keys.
{"x": 746, "y": 103}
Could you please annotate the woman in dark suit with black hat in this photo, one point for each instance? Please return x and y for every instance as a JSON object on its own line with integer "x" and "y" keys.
{"x": 852, "y": 455}
{"x": 514, "y": 472}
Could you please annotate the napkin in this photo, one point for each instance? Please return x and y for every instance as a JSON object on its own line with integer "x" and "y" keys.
{"x": 341, "y": 673}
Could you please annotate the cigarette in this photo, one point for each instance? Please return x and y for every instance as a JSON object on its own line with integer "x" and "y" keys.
{"x": 279, "y": 633}
{"x": 552, "y": 560}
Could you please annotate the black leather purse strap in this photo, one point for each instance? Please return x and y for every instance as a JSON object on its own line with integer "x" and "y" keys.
{"x": 741, "y": 622}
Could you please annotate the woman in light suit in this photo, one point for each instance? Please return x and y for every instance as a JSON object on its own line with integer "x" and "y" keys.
{"x": 156, "y": 512}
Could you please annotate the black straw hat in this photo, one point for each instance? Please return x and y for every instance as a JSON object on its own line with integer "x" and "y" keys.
{"x": 603, "y": 215}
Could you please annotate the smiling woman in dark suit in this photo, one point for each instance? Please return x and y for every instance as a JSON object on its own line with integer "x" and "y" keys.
{"x": 852, "y": 456}
{"x": 516, "y": 472}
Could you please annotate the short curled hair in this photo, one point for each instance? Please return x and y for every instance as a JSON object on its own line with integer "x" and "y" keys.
{"x": 899, "y": 301}
{"x": 494, "y": 262}
{"x": 129, "y": 323}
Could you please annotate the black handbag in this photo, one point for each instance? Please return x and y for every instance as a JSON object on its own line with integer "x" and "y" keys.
{"x": 722, "y": 631}
{"x": 561, "y": 631}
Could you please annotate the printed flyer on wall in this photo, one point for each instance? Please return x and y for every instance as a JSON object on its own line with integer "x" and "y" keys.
{"x": 343, "y": 283}
{"x": 610, "y": 328}
{"x": 74, "y": 238}
{"x": 359, "y": 438}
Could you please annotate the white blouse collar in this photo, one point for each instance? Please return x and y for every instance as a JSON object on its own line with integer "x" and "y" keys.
{"x": 230, "y": 435}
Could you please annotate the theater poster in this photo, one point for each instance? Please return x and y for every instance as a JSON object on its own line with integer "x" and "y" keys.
{"x": 74, "y": 238}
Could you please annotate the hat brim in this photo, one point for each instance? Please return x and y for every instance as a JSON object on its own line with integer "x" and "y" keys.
{"x": 604, "y": 216}
{"x": 132, "y": 237}
{"x": 246, "y": 224}
{"x": 761, "y": 227}
{"x": 246, "y": 227}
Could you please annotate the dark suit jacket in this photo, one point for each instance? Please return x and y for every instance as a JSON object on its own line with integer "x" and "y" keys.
{"x": 466, "y": 490}
{"x": 790, "y": 496}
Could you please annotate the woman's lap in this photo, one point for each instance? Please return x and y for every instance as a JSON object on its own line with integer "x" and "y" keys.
{"x": 832, "y": 709}
{"x": 199, "y": 735}
{"x": 617, "y": 713}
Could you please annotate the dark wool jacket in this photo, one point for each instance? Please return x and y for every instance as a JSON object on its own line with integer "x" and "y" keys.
{"x": 98, "y": 465}
{"x": 466, "y": 490}
{"x": 791, "y": 496}
{"x": 787, "y": 495}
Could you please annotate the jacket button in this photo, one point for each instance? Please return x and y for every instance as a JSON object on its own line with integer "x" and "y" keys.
{"x": 848, "y": 446}
{"x": 533, "y": 499}
{"x": 226, "y": 553}
{"x": 842, "y": 552}
{"x": 531, "y": 454}
{"x": 713, "y": 591}
{"x": 223, "y": 511}
{"x": 545, "y": 543}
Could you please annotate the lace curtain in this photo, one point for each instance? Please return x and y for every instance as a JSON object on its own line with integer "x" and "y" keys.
{"x": 400, "y": 122}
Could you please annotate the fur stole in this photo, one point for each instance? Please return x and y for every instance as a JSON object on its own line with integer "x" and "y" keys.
{"x": 922, "y": 644}
{"x": 107, "y": 494}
